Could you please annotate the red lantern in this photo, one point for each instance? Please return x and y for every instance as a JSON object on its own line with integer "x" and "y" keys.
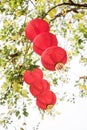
{"x": 46, "y": 100}
{"x": 39, "y": 86}
{"x": 30, "y": 76}
{"x": 43, "y": 41}
{"x": 36, "y": 26}
{"x": 54, "y": 58}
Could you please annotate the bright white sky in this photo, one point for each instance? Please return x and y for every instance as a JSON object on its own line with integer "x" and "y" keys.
{"x": 72, "y": 117}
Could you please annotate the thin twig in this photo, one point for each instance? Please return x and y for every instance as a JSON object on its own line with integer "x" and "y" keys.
{"x": 61, "y": 13}
{"x": 32, "y": 3}
{"x": 83, "y": 77}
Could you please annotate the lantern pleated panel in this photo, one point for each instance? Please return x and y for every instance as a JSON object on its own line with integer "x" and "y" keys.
{"x": 39, "y": 86}
{"x": 36, "y": 26}
{"x": 54, "y": 57}
{"x": 46, "y": 100}
{"x": 43, "y": 41}
{"x": 30, "y": 76}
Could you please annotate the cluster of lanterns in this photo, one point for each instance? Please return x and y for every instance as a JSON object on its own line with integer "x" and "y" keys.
{"x": 45, "y": 44}
{"x": 40, "y": 88}
{"x": 53, "y": 58}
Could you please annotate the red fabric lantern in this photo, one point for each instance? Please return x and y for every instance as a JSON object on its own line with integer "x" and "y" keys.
{"x": 54, "y": 58}
{"x": 43, "y": 41}
{"x": 39, "y": 86}
{"x": 30, "y": 76}
{"x": 46, "y": 100}
{"x": 36, "y": 26}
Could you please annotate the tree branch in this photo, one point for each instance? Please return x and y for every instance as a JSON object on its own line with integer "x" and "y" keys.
{"x": 61, "y": 13}
{"x": 83, "y": 77}
{"x": 70, "y": 3}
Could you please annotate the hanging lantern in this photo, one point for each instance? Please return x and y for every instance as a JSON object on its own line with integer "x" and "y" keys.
{"x": 39, "y": 86}
{"x": 54, "y": 58}
{"x": 43, "y": 41}
{"x": 36, "y": 26}
{"x": 30, "y": 76}
{"x": 46, "y": 100}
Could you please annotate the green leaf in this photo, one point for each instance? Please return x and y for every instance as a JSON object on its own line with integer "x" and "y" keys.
{"x": 25, "y": 113}
{"x": 16, "y": 87}
{"x": 80, "y": 41}
{"x": 17, "y": 113}
{"x": 24, "y": 93}
{"x": 52, "y": 13}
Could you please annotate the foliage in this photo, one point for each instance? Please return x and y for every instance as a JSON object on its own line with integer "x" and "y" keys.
{"x": 67, "y": 19}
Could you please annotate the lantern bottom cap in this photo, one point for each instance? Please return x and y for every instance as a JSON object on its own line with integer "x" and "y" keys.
{"x": 50, "y": 106}
{"x": 59, "y": 66}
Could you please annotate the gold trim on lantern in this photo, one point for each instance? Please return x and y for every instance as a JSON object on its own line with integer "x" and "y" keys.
{"x": 49, "y": 106}
{"x": 59, "y": 66}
